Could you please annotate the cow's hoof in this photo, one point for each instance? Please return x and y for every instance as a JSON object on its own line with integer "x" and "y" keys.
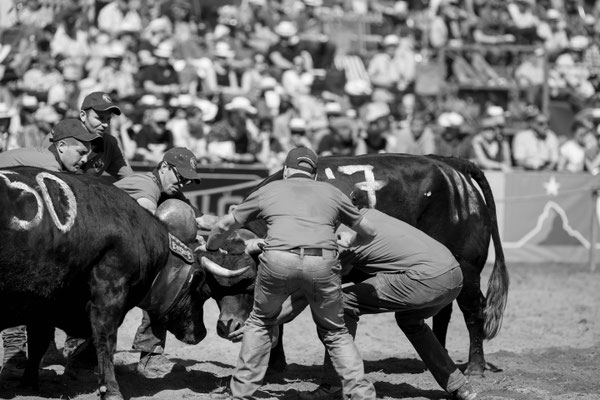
{"x": 491, "y": 367}
{"x": 474, "y": 370}
{"x": 105, "y": 394}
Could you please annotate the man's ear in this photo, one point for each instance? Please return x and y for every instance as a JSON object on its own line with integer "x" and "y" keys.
{"x": 285, "y": 172}
{"x": 60, "y": 146}
{"x": 82, "y": 115}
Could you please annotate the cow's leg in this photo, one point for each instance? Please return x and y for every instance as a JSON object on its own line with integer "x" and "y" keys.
{"x": 472, "y": 303}
{"x": 105, "y": 322}
{"x": 440, "y": 324}
{"x": 38, "y": 339}
{"x": 277, "y": 361}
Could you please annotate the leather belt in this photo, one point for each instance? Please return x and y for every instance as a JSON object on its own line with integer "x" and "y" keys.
{"x": 310, "y": 251}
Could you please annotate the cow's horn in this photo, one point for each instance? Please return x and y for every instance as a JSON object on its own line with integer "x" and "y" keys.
{"x": 216, "y": 269}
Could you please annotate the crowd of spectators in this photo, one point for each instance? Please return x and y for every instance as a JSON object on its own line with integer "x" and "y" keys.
{"x": 245, "y": 83}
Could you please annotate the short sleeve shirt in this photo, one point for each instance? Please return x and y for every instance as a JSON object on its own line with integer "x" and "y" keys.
{"x": 299, "y": 212}
{"x": 31, "y": 157}
{"x": 400, "y": 248}
{"x": 110, "y": 160}
{"x": 140, "y": 185}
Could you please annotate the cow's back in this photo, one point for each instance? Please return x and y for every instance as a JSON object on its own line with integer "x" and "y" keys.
{"x": 425, "y": 192}
{"x": 63, "y": 234}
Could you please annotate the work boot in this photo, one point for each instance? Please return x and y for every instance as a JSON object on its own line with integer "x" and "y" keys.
{"x": 81, "y": 357}
{"x": 324, "y": 392}
{"x": 465, "y": 392}
{"x": 153, "y": 365}
{"x": 14, "y": 341}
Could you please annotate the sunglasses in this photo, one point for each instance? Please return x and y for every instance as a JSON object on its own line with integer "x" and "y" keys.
{"x": 181, "y": 181}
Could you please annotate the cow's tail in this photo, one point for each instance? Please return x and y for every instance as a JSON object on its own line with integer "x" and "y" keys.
{"x": 497, "y": 291}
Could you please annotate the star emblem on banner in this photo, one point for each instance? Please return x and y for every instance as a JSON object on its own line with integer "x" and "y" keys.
{"x": 552, "y": 186}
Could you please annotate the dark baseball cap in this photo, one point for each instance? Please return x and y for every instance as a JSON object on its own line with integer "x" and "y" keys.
{"x": 302, "y": 158}
{"x": 185, "y": 162}
{"x": 72, "y": 127}
{"x": 100, "y": 101}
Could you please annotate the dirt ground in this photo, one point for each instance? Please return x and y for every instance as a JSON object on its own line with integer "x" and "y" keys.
{"x": 548, "y": 348}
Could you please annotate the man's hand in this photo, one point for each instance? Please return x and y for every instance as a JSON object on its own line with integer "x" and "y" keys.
{"x": 237, "y": 335}
{"x": 206, "y": 222}
{"x": 345, "y": 239}
{"x": 254, "y": 245}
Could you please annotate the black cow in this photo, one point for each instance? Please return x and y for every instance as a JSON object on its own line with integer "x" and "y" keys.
{"x": 77, "y": 253}
{"x": 437, "y": 195}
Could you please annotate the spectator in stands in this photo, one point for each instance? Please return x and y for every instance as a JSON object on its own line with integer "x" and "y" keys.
{"x": 298, "y": 133}
{"x": 536, "y": 148}
{"x": 222, "y": 77}
{"x": 569, "y": 77}
{"x": 120, "y": 15}
{"x": 452, "y": 141}
{"x": 379, "y": 128}
{"x": 281, "y": 123}
{"x": 6, "y": 116}
{"x": 253, "y": 77}
{"x": 492, "y": 25}
{"x": 112, "y": 77}
{"x": 592, "y": 156}
{"x": 67, "y": 91}
{"x": 36, "y": 14}
{"x": 160, "y": 78}
{"x": 491, "y": 150}
{"x": 524, "y": 21}
{"x": 235, "y": 137}
{"x": 71, "y": 39}
{"x": 572, "y": 152}
{"x": 341, "y": 135}
{"x": 282, "y": 53}
{"x": 553, "y": 32}
{"x": 154, "y": 139}
{"x": 30, "y": 133}
{"x": 416, "y": 137}
{"x": 40, "y": 77}
{"x": 297, "y": 81}
{"x": 384, "y": 71}
{"x": 449, "y": 26}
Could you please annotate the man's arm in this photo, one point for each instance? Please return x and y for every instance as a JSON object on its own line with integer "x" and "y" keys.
{"x": 147, "y": 204}
{"x": 365, "y": 232}
{"x": 220, "y": 231}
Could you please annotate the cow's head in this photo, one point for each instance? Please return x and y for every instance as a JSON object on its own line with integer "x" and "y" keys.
{"x": 177, "y": 297}
{"x": 234, "y": 294}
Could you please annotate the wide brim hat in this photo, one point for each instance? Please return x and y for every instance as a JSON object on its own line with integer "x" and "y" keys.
{"x": 286, "y": 29}
{"x": 240, "y": 103}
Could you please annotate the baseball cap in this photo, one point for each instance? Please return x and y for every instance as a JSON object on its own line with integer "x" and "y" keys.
{"x": 100, "y": 101}
{"x": 302, "y": 158}
{"x": 72, "y": 127}
{"x": 185, "y": 162}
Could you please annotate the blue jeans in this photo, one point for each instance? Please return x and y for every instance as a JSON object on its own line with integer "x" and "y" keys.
{"x": 14, "y": 341}
{"x": 412, "y": 301}
{"x": 318, "y": 280}
{"x": 150, "y": 336}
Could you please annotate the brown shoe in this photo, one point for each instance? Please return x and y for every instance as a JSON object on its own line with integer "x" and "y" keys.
{"x": 152, "y": 365}
{"x": 465, "y": 392}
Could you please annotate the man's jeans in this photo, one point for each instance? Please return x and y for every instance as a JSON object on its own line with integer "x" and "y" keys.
{"x": 15, "y": 346}
{"x": 412, "y": 301}
{"x": 150, "y": 337}
{"x": 318, "y": 280}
